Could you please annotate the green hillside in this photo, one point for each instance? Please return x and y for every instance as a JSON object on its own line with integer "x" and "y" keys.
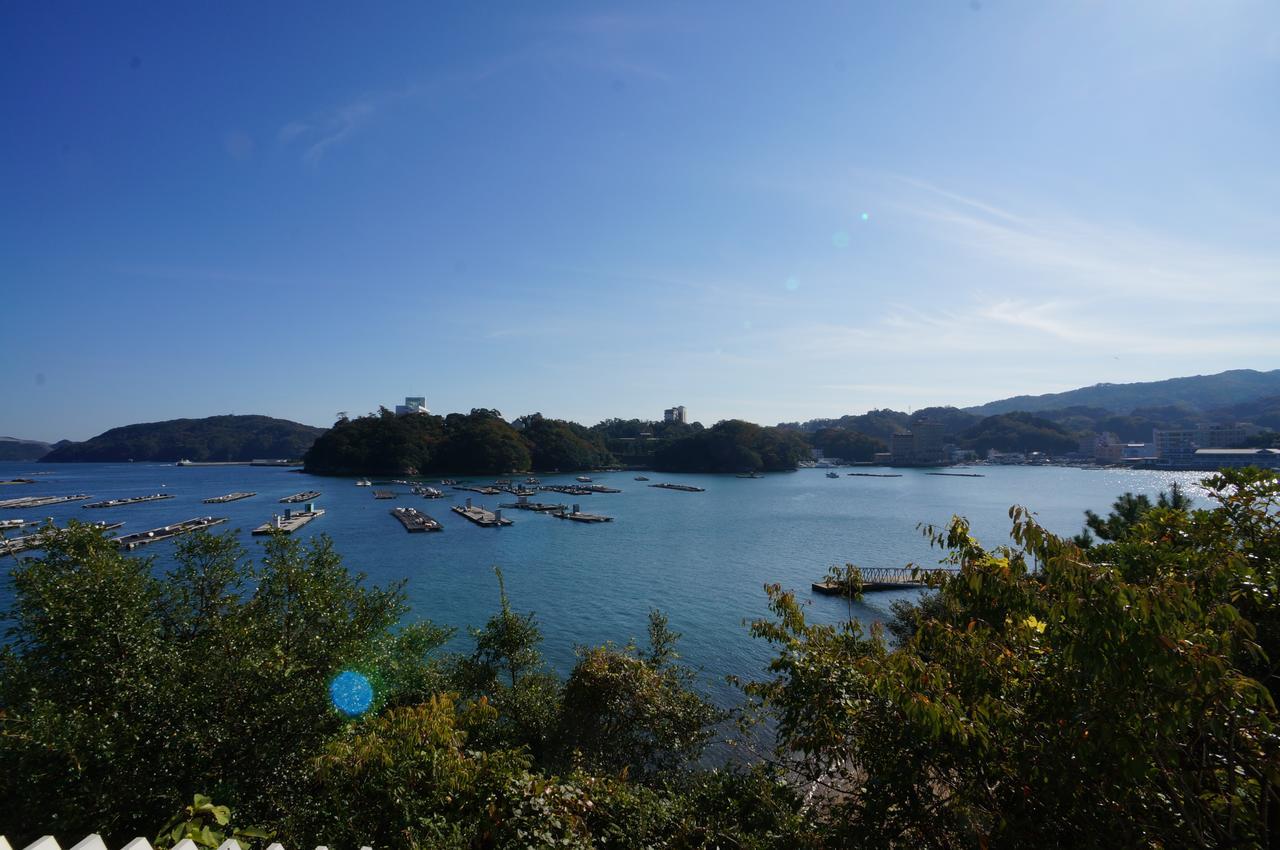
{"x": 215, "y": 438}
{"x": 1198, "y": 391}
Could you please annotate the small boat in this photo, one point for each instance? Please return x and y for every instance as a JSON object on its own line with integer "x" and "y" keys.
{"x": 364, "y": 482}
{"x": 749, "y": 475}
{"x": 448, "y": 482}
{"x": 833, "y": 475}
{"x": 641, "y": 478}
{"x": 532, "y": 480}
{"x": 585, "y": 479}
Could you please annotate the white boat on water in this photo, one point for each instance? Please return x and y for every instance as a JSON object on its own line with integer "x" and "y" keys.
{"x": 364, "y": 482}
{"x": 585, "y": 479}
{"x": 833, "y": 475}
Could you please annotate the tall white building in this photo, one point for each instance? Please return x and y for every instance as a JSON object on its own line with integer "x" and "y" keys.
{"x": 412, "y": 404}
{"x": 674, "y": 414}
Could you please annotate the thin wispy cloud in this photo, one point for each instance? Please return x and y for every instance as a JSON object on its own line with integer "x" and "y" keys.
{"x": 331, "y": 128}
{"x": 1090, "y": 253}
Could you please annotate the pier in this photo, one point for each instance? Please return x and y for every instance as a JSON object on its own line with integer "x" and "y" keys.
{"x": 142, "y": 538}
{"x": 483, "y": 491}
{"x": 567, "y": 489}
{"x": 300, "y": 497}
{"x": 958, "y": 474}
{"x": 384, "y": 494}
{"x": 578, "y": 516}
{"x": 19, "y": 481}
{"x": 34, "y": 541}
{"x": 415, "y": 520}
{"x": 874, "y": 474}
{"x": 480, "y": 516}
{"x": 41, "y": 501}
{"x": 6, "y": 524}
{"x": 230, "y": 497}
{"x": 683, "y": 488}
{"x": 522, "y": 503}
{"x": 290, "y": 522}
{"x": 117, "y": 503}
{"x": 881, "y": 578}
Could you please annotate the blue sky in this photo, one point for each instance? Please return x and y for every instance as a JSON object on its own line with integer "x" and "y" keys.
{"x": 766, "y": 211}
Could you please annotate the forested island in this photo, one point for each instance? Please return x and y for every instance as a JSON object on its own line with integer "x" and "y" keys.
{"x": 1116, "y": 689}
{"x": 483, "y": 443}
{"x": 214, "y": 438}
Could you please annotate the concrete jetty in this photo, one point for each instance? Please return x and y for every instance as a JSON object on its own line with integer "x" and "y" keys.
{"x": 578, "y": 516}
{"x": 41, "y": 501}
{"x": 881, "y": 578}
{"x": 142, "y": 538}
{"x": 522, "y": 503}
{"x": 683, "y": 488}
{"x": 230, "y": 497}
{"x": 415, "y": 520}
{"x": 117, "y": 503}
{"x": 384, "y": 494}
{"x": 480, "y": 516}
{"x": 290, "y": 522}
{"x": 15, "y": 545}
{"x": 300, "y": 497}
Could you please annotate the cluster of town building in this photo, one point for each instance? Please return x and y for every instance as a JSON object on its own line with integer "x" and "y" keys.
{"x": 1207, "y": 447}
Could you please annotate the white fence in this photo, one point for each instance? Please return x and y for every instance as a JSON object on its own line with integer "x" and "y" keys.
{"x": 95, "y": 842}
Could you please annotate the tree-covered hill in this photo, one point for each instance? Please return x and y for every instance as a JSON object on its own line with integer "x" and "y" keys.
{"x": 1199, "y": 391}
{"x": 1017, "y": 432}
{"x": 11, "y": 448}
{"x": 480, "y": 442}
{"x": 733, "y": 446}
{"x": 215, "y": 438}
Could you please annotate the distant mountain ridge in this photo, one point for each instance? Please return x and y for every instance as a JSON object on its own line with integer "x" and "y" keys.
{"x": 214, "y": 438}
{"x": 12, "y": 448}
{"x": 1202, "y": 392}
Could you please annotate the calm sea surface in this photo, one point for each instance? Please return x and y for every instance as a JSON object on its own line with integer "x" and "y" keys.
{"x": 703, "y": 558}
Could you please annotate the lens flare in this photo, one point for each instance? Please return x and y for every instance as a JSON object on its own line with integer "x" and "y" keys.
{"x": 351, "y": 693}
{"x": 840, "y": 239}
{"x": 866, "y": 216}
{"x": 792, "y": 284}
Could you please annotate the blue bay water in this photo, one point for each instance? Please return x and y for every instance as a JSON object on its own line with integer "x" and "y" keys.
{"x": 703, "y": 558}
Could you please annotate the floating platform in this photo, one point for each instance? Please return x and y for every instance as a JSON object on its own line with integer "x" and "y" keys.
{"x": 958, "y": 474}
{"x": 41, "y": 501}
{"x": 142, "y": 538}
{"x": 881, "y": 578}
{"x": 34, "y": 541}
{"x": 683, "y": 488}
{"x": 874, "y": 474}
{"x": 567, "y": 489}
{"x": 300, "y": 497}
{"x": 290, "y": 522}
{"x": 415, "y": 520}
{"x": 118, "y": 503}
{"x": 17, "y": 523}
{"x": 523, "y": 504}
{"x": 19, "y": 481}
{"x": 483, "y": 491}
{"x": 480, "y": 516}
{"x": 230, "y": 497}
{"x": 384, "y": 494}
{"x": 578, "y": 516}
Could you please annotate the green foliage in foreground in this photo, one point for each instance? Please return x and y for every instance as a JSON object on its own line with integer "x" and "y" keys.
{"x": 1047, "y": 694}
